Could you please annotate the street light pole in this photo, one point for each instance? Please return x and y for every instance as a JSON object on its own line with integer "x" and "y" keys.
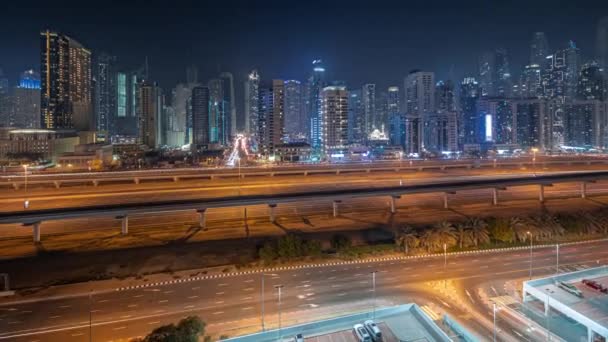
{"x": 557, "y": 259}
{"x": 494, "y": 310}
{"x": 279, "y": 287}
{"x": 90, "y": 317}
{"x": 26, "y": 203}
{"x": 445, "y": 264}
{"x": 530, "y": 235}
{"x": 374, "y": 294}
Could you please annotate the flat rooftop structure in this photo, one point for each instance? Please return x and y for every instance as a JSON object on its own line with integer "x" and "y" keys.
{"x": 577, "y": 302}
{"x": 399, "y": 323}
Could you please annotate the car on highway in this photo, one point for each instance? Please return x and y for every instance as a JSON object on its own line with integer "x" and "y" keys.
{"x": 361, "y": 333}
{"x": 373, "y": 330}
{"x": 298, "y": 338}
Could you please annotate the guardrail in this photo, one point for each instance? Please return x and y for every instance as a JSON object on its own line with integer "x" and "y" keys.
{"x": 123, "y": 210}
{"x": 97, "y": 178}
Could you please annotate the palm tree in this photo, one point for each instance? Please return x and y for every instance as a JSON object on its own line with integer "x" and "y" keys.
{"x": 406, "y": 238}
{"x": 519, "y": 228}
{"x": 429, "y": 240}
{"x": 479, "y": 231}
{"x": 462, "y": 234}
{"x": 446, "y": 234}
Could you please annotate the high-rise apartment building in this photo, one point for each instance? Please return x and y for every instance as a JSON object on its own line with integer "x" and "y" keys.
{"x": 252, "y": 85}
{"x": 271, "y": 115}
{"x": 419, "y": 103}
{"x": 316, "y": 83}
{"x": 356, "y": 117}
{"x": 200, "y": 117}
{"x": 471, "y": 131}
{"x": 229, "y": 104}
{"x": 334, "y": 107}
{"x": 368, "y": 93}
{"x": 150, "y": 109}
{"x": 539, "y": 48}
{"x": 66, "y": 83}
{"x": 105, "y": 93}
{"x": 26, "y": 101}
{"x": 591, "y": 83}
{"x": 295, "y": 116}
{"x": 584, "y": 123}
{"x": 219, "y": 113}
{"x": 6, "y": 115}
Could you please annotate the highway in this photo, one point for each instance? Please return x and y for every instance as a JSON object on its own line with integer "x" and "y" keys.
{"x": 231, "y": 304}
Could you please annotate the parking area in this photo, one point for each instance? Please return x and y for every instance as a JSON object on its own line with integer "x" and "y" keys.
{"x": 349, "y": 335}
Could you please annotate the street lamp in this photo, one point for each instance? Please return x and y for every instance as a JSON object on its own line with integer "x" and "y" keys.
{"x": 445, "y": 264}
{"x": 26, "y": 203}
{"x": 494, "y": 311}
{"x": 279, "y": 287}
{"x": 374, "y": 294}
{"x": 262, "y": 297}
{"x": 534, "y": 150}
{"x": 557, "y": 259}
{"x": 530, "y": 235}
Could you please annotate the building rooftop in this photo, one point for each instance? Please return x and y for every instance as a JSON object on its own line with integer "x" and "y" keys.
{"x": 575, "y": 300}
{"x": 399, "y": 323}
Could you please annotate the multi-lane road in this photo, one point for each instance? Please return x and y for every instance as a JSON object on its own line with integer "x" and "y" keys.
{"x": 232, "y": 304}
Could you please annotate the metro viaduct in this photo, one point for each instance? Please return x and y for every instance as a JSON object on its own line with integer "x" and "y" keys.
{"x": 34, "y": 218}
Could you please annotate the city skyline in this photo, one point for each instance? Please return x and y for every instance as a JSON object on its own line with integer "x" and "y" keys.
{"x": 383, "y": 53}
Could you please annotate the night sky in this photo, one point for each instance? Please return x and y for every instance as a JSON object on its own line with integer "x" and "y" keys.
{"x": 360, "y": 41}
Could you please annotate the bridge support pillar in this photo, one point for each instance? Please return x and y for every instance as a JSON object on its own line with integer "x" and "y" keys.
{"x": 271, "y": 212}
{"x": 136, "y": 180}
{"x": 57, "y": 184}
{"x": 305, "y": 173}
{"x": 445, "y": 200}
{"x": 494, "y": 196}
{"x": 176, "y": 179}
{"x": 95, "y": 182}
{"x": 16, "y": 186}
{"x": 584, "y": 190}
{"x": 124, "y": 225}
{"x": 336, "y": 209}
{"x": 36, "y": 231}
{"x": 202, "y": 218}
{"x": 393, "y": 204}
{"x": 337, "y": 172}
{"x": 541, "y": 193}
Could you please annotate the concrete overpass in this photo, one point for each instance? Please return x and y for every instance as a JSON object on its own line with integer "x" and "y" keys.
{"x": 113, "y": 177}
{"x": 34, "y": 218}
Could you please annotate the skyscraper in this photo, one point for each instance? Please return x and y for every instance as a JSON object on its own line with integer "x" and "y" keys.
{"x": 5, "y": 105}
{"x": 531, "y": 81}
{"x": 127, "y": 90}
{"x": 105, "y": 93}
{"x": 26, "y": 101}
{"x": 487, "y": 66}
{"x": 394, "y": 100}
{"x": 80, "y": 87}
{"x": 444, "y": 96}
{"x": 251, "y": 102}
{"x": 229, "y": 104}
{"x": 503, "y": 85}
{"x": 471, "y": 131}
{"x": 66, "y": 83}
{"x": 368, "y": 93}
{"x": 602, "y": 44}
{"x": 295, "y": 118}
{"x": 334, "y": 109}
{"x": 356, "y": 117}
{"x": 200, "y": 117}
{"x": 219, "y": 114}
{"x": 271, "y": 116}
{"x": 150, "y": 107}
{"x": 419, "y": 103}
{"x": 590, "y": 83}
{"x": 539, "y": 48}
{"x": 316, "y": 83}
